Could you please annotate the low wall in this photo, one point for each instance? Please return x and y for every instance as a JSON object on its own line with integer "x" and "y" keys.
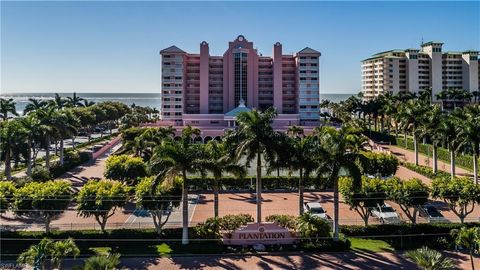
{"x": 106, "y": 147}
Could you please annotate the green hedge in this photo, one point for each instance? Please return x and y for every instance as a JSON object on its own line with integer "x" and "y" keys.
{"x": 144, "y": 242}
{"x": 464, "y": 161}
{"x": 406, "y": 236}
{"x": 248, "y": 183}
{"x": 380, "y": 136}
{"x": 425, "y": 171}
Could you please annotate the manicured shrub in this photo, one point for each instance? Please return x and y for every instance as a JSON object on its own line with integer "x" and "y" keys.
{"x": 125, "y": 168}
{"x": 329, "y": 245}
{"x": 7, "y": 189}
{"x": 425, "y": 171}
{"x": 213, "y": 227}
{"x": 285, "y": 221}
{"x": 379, "y": 164}
{"x": 46, "y": 200}
{"x": 312, "y": 228}
{"x": 40, "y": 174}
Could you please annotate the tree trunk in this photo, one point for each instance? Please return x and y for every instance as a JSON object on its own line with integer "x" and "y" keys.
{"x": 405, "y": 137}
{"x": 365, "y": 219}
{"x": 335, "y": 204}
{"x": 61, "y": 152}
{"x": 184, "y": 209}
{"x": 471, "y": 259}
{"x": 396, "y": 132}
{"x": 452, "y": 163}
{"x": 414, "y": 215}
{"x": 475, "y": 168}
{"x": 435, "y": 159}
{"x": 215, "y": 197}
{"x": 47, "y": 224}
{"x": 415, "y": 148}
{"x": 47, "y": 152}
{"x": 300, "y": 193}
{"x": 259, "y": 187}
{"x": 29, "y": 157}
{"x": 8, "y": 165}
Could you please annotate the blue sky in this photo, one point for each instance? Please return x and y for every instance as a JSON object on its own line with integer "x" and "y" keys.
{"x": 113, "y": 46}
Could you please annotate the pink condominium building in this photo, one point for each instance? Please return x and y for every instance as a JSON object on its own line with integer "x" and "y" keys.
{"x": 200, "y": 89}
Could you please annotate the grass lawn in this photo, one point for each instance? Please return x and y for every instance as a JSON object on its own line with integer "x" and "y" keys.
{"x": 370, "y": 245}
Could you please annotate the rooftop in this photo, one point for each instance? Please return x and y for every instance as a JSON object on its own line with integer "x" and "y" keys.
{"x": 241, "y": 108}
{"x": 172, "y": 49}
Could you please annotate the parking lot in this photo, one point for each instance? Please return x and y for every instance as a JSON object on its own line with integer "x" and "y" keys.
{"x": 287, "y": 203}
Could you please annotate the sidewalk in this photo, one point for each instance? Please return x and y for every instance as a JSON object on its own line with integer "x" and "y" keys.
{"x": 409, "y": 156}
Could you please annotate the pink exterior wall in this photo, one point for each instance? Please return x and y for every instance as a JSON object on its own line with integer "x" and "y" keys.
{"x": 208, "y": 82}
{"x": 277, "y": 77}
{"x": 204, "y": 79}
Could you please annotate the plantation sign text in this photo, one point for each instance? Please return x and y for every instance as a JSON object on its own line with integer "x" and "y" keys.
{"x": 259, "y": 233}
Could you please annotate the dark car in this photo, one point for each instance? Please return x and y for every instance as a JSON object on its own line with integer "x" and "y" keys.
{"x": 431, "y": 213}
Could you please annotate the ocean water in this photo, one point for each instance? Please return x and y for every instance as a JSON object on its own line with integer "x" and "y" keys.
{"x": 140, "y": 99}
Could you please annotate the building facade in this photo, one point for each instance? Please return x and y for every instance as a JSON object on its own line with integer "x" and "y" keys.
{"x": 207, "y": 90}
{"x": 416, "y": 69}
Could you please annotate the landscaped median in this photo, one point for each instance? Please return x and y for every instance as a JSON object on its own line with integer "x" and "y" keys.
{"x": 146, "y": 242}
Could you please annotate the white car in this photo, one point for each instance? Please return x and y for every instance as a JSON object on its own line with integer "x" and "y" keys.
{"x": 386, "y": 214}
{"x": 315, "y": 209}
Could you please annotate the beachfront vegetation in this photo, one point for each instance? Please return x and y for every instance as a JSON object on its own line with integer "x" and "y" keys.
{"x": 44, "y": 123}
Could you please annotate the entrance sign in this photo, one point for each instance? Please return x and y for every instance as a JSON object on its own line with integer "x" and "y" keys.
{"x": 259, "y": 233}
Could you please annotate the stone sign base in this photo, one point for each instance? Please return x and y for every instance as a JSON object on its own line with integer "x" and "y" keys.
{"x": 260, "y": 233}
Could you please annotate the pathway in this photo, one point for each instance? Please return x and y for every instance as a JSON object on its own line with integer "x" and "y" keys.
{"x": 409, "y": 156}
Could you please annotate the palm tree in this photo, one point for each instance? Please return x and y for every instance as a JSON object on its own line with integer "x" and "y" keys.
{"x": 339, "y": 156}
{"x": 429, "y": 259}
{"x": 295, "y": 131}
{"x": 58, "y": 102}
{"x": 476, "y": 96}
{"x": 303, "y": 158}
{"x": 33, "y": 129}
{"x": 74, "y": 101}
{"x": 11, "y": 133}
{"x": 7, "y": 106}
{"x": 175, "y": 159}
{"x": 103, "y": 262}
{"x": 217, "y": 162}
{"x": 51, "y": 120}
{"x": 66, "y": 125}
{"x": 470, "y": 134}
{"x": 412, "y": 115}
{"x": 449, "y": 129}
{"x": 61, "y": 249}
{"x": 468, "y": 238}
{"x": 255, "y": 135}
{"x": 443, "y": 96}
{"x": 87, "y": 103}
{"x": 35, "y": 104}
{"x": 430, "y": 129}
{"x": 36, "y": 255}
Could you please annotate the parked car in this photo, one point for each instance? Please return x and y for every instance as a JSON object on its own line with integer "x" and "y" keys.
{"x": 315, "y": 209}
{"x": 385, "y": 213}
{"x": 431, "y": 213}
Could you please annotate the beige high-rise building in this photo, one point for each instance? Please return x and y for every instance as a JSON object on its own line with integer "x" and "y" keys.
{"x": 416, "y": 69}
